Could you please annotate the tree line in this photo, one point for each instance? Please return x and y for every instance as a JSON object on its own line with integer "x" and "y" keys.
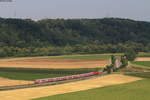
{"x": 25, "y": 37}
{"x": 9, "y": 51}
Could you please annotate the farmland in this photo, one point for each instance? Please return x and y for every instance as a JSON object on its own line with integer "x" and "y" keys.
{"x": 142, "y": 63}
{"x": 32, "y": 74}
{"x": 142, "y": 59}
{"x": 73, "y": 61}
{"x": 93, "y": 56}
{"x": 138, "y": 90}
{"x": 31, "y": 68}
{"x": 142, "y": 54}
{"x": 27, "y": 69}
{"x": 26, "y": 94}
{"x": 9, "y": 82}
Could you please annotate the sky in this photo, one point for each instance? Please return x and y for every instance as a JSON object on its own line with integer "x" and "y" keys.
{"x": 40, "y": 9}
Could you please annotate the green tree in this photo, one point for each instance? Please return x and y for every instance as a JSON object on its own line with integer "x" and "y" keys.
{"x": 130, "y": 54}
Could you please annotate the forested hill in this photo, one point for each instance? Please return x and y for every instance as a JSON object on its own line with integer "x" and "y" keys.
{"x": 60, "y": 32}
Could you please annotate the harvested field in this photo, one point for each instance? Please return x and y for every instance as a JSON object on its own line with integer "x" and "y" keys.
{"x": 142, "y": 59}
{"x": 52, "y": 63}
{"x": 27, "y": 94}
{"x": 8, "y": 82}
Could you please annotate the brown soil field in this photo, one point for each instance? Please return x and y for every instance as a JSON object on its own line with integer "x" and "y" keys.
{"x": 30, "y": 93}
{"x": 52, "y": 63}
{"x": 142, "y": 59}
{"x": 8, "y": 82}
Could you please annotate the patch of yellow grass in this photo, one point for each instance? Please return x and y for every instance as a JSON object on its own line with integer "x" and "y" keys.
{"x": 30, "y": 93}
{"x": 9, "y": 82}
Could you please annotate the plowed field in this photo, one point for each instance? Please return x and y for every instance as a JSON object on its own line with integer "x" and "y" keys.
{"x": 53, "y": 63}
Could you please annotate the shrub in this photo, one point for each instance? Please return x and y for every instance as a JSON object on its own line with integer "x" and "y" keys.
{"x": 130, "y": 54}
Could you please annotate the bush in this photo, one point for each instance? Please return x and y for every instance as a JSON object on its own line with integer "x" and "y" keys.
{"x": 130, "y": 54}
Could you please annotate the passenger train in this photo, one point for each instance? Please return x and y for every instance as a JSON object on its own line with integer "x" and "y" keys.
{"x": 50, "y": 80}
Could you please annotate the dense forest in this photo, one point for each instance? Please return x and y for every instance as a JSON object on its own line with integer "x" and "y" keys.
{"x": 25, "y": 37}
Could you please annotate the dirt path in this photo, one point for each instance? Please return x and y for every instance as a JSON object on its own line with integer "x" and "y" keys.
{"x": 27, "y": 94}
{"x": 142, "y": 59}
{"x": 8, "y": 82}
{"x": 52, "y": 63}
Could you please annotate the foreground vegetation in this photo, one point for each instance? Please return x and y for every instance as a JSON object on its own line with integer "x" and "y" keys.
{"x": 142, "y": 63}
{"x": 32, "y": 74}
{"x": 138, "y": 90}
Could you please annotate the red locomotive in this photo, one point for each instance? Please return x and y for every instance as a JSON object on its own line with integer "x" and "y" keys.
{"x": 48, "y": 80}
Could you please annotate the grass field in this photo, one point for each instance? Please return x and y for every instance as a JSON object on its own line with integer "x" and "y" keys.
{"x": 142, "y": 63}
{"x": 138, "y": 90}
{"x": 32, "y": 74}
{"x": 91, "y": 56}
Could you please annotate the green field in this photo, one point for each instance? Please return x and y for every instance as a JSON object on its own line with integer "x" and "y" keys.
{"x": 74, "y": 56}
{"x": 143, "y": 54}
{"x": 28, "y": 76}
{"x": 142, "y": 74}
{"x": 91, "y": 56}
{"x": 32, "y": 74}
{"x": 138, "y": 90}
{"x": 142, "y": 63}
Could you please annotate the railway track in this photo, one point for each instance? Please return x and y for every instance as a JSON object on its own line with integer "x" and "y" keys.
{"x": 4, "y": 88}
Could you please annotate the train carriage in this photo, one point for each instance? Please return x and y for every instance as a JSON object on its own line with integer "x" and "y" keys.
{"x": 49, "y": 80}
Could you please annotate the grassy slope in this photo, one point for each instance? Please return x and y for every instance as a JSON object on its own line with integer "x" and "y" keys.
{"x": 138, "y": 90}
{"x": 143, "y": 63}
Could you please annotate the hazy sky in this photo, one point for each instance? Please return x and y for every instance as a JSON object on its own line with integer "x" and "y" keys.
{"x": 39, "y": 9}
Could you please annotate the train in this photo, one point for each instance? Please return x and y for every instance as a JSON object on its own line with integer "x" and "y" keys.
{"x": 50, "y": 80}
